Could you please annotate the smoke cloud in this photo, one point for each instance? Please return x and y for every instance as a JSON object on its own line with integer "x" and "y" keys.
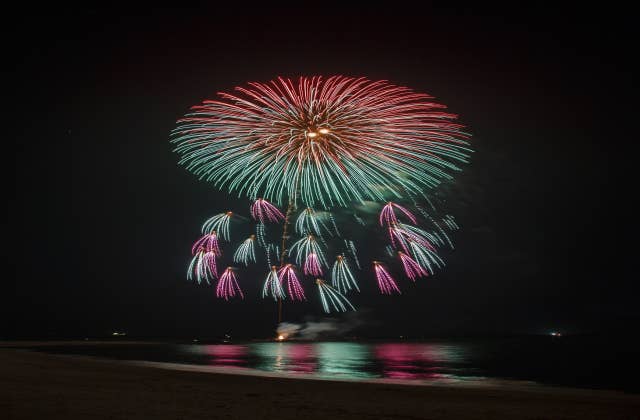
{"x": 324, "y": 328}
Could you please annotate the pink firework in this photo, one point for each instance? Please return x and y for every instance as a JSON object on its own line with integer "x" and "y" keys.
{"x": 262, "y": 210}
{"x": 388, "y": 216}
{"x": 228, "y": 285}
{"x": 386, "y": 283}
{"x": 288, "y": 276}
{"x": 312, "y": 265}
{"x": 411, "y": 267}
{"x": 208, "y": 243}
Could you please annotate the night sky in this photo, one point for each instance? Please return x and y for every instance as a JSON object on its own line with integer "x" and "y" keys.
{"x": 101, "y": 218}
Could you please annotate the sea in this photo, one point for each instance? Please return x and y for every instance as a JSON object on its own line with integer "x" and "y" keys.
{"x": 565, "y": 361}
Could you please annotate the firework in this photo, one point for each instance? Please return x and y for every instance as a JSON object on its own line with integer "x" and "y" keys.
{"x": 288, "y": 276}
{"x": 306, "y": 246}
{"x": 411, "y": 268}
{"x": 309, "y": 222}
{"x": 219, "y": 223}
{"x": 203, "y": 267}
{"x": 208, "y": 242}
{"x": 322, "y": 147}
{"x": 341, "y": 276}
{"x": 273, "y": 285}
{"x": 312, "y": 265}
{"x": 425, "y": 257}
{"x": 386, "y": 283}
{"x": 246, "y": 251}
{"x": 352, "y": 249}
{"x": 332, "y": 299}
{"x": 328, "y": 141}
{"x": 264, "y": 211}
{"x": 228, "y": 285}
{"x": 388, "y": 215}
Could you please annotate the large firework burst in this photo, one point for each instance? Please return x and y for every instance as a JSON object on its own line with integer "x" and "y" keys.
{"x": 317, "y": 146}
{"x": 322, "y": 141}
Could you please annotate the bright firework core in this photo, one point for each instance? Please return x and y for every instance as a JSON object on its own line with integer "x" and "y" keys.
{"x": 306, "y": 153}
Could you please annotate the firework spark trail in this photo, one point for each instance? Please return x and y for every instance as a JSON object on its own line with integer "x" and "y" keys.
{"x": 263, "y": 211}
{"x": 388, "y": 215}
{"x": 450, "y": 221}
{"x": 445, "y": 220}
{"x": 288, "y": 276}
{"x": 341, "y": 277}
{"x": 359, "y": 220}
{"x": 208, "y": 242}
{"x": 332, "y": 299}
{"x": 261, "y": 234}
{"x": 246, "y": 251}
{"x": 203, "y": 266}
{"x": 425, "y": 257}
{"x": 305, "y": 246}
{"x": 273, "y": 286}
{"x": 228, "y": 285}
{"x": 345, "y": 139}
{"x": 335, "y": 226}
{"x": 352, "y": 249}
{"x": 389, "y": 250}
{"x": 412, "y": 269}
{"x": 386, "y": 283}
{"x": 220, "y": 224}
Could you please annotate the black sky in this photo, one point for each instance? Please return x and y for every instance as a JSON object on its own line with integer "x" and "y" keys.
{"x": 101, "y": 218}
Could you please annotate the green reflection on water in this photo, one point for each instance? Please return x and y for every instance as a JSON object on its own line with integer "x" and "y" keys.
{"x": 344, "y": 360}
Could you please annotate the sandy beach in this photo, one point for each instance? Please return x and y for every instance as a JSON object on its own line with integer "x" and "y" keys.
{"x": 42, "y": 386}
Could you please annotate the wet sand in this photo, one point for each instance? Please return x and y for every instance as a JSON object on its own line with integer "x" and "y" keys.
{"x": 42, "y": 386}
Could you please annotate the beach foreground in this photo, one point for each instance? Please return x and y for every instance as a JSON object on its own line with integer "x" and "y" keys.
{"x": 37, "y": 385}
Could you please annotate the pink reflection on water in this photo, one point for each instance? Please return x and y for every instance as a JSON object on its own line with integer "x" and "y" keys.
{"x": 411, "y": 361}
{"x": 301, "y": 357}
{"x": 226, "y": 354}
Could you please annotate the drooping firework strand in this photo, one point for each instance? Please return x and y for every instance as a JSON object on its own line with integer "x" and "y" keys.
{"x": 228, "y": 285}
{"x": 386, "y": 283}
{"x": 246, "y": 251}
{"x": 272, "y": 285}
{"x": 203, "y": 267}
{"x": 411, "y": 268}
{"x": 263, "y": 211}
{"x": 289, "y": 278}
{"x": 332, "y": 299}
{"x": 218, "y": 223}
{"x": 341, "y": 277}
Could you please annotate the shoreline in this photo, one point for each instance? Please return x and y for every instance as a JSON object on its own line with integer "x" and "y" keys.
{"x": 40, "y": 385}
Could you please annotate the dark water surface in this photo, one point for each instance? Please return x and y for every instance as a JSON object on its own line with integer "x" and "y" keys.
{"x": 584, "y": 362}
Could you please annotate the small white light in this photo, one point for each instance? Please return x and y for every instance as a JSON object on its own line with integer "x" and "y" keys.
{"x": 323, "y": 131}
{"x": 312, "y": 134}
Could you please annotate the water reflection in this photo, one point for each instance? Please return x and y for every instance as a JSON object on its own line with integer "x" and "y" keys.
{"x": 412, "y": 361}
{"x": 418, "y": 361}
{"x": 226, "y": 354}
{"x": 348, "y": 360}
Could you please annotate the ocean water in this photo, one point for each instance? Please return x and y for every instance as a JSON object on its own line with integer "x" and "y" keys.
{"x": 582, "y": 362}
